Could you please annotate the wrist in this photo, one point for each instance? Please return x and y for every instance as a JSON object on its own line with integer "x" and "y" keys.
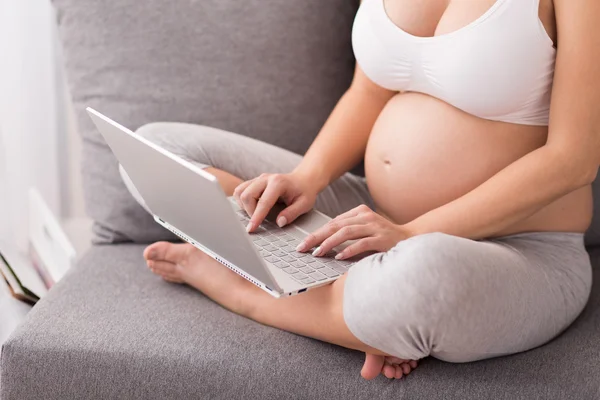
{"x": 407, "y": 230}
{"x": 314, "y": 178}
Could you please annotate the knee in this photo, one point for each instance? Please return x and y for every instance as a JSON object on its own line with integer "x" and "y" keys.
{"x": 414, "y": 287}
{"x": 193, "y": 143}
{"x": 160, "y": 133}
{"x": 428, "y": 265}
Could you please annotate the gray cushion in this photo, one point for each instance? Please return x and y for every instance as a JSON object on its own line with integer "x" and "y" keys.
{"x": 111, "y": 329}
{"x": 269, "y": 69}
{"x": 592, "y": 236}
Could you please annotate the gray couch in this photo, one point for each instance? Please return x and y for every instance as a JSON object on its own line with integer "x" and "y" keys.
{"x": 270, "y": 69}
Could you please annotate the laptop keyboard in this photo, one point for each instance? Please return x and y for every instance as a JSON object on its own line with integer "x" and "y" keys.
{"x": 279, "y": 249}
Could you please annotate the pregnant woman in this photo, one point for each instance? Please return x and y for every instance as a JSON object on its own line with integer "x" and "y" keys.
{"x": 479, "y": 127}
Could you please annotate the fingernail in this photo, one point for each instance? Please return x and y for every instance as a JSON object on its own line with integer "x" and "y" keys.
{"x": 250, "y": 227}
{"x": 301, "y": 247}
{"x": 281, "y": 221}
{"x": 317, "y": 252}
{"x": 339, "y": 256}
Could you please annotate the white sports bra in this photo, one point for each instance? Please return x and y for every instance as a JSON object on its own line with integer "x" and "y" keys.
{"x": 499, "y": 67}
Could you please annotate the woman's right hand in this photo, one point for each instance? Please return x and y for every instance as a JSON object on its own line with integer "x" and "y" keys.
{"x": 259, "y": 195}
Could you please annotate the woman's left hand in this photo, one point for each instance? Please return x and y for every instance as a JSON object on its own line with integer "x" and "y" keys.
{"x": 372, "y": 232}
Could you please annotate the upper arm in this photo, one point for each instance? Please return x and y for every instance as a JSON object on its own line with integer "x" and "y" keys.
{"x": 362, "y": 83}
{"x": 574, "y": 111}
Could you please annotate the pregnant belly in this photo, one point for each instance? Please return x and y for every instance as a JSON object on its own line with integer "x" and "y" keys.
{"x": 424, "y": 153}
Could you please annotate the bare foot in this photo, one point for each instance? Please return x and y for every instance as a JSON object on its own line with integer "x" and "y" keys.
{"x": 183, "y": 263}
{"x": 390, "y": 367}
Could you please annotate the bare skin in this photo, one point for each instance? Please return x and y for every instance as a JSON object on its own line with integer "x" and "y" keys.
{"x": 412, "y": 163}
{"x": 184, "y": 264}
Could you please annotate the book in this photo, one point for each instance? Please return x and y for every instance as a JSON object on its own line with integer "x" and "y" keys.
{"x": 21, "y": 277}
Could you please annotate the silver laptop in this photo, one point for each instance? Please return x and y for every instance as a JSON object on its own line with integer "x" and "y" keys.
{"x": 190, "y": 203}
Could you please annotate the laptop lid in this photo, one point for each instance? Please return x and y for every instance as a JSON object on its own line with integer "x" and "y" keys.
{"x": 184, "y": 196}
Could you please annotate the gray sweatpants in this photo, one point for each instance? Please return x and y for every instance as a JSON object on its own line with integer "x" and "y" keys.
{"x": 435, "y": 294}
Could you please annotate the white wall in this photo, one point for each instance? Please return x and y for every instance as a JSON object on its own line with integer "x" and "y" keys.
{"x": 38, "y": 146}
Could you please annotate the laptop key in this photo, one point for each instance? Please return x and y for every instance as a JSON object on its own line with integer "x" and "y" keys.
{"x": 264, "y": 253}
{"x": 269, "y": 225}
{"x": 344, "y": 263}
{"x": 271, "y": 259}
{"x": 290, "y": 270}
{"x": 300, "y": 276}
{"x": 306, "y": 270}
{"x": 279, "y": 253}
{"x": 309, "y": 260}
{"x": 279, "y": 243}
{"x": 340, "y": 269}
{"x": 261, "y": 243}
{"x": 329, "y": 272}
{"x": 304, "y": 281}
{"x": 288, "y": 258}
{"x": 317, "y": 276}
{"x": 296, "y": 264}
{"x": 271, "y": 238}
{"x": 269, "y": 247}
{"x": 299, "y": 255}
{"x": 288, "y": 238}
{"x": 280, "y": 264}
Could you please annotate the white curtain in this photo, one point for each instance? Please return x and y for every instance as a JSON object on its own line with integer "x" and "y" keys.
{"x": 32, "y": 134}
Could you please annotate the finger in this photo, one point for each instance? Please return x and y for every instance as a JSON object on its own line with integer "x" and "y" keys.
{"x": 239, "y": 190}
{"x": 326, "y": 231}
{"x": 268, "y": 198}
{"x": 354, "y": 212}
{"x": 361, "y": 246}
{"x": 298, "y": 207}
{"x": 348, "y": 232}
{"x": 251, "y": 195}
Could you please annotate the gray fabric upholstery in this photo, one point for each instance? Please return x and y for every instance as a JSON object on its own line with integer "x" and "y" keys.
{"x": 269, "y": 69}
{"x": 111, "y": 329}
{"x": 592, "y": 236}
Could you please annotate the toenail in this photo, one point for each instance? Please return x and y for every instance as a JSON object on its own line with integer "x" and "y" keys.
{"x": 150, "y": 264}
{"x": 152, "y": 254}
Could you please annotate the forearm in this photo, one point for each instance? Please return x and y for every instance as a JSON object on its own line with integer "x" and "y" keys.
{"x": 513, "y": 194}
{"x": 343, "y": 139}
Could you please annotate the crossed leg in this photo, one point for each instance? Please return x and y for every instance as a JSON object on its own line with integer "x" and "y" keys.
{"x": 317, "y": 313}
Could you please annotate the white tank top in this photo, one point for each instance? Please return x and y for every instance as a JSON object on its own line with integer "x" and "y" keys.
{"x": 500, "y": 67}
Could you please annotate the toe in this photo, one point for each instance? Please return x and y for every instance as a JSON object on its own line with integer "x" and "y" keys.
{"x": 389, "y": 371}
{"x": 161, "y": 267}
{"x": 399, "y": 372}
{"x": 372, "y": 366}
{"x": 405, "y": 368}
{"x": 165, "y": 251}
{"x": 166, "y": 270}
{"x": 395, "y": 360}
{"x": 413, "y": 364}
